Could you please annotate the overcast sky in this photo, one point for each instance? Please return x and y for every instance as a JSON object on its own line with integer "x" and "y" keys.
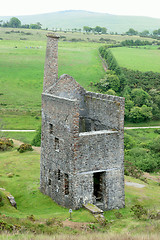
{"x": 150, "y": 8}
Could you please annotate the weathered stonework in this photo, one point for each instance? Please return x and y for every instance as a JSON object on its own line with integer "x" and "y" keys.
{"x": 82, "y": 141}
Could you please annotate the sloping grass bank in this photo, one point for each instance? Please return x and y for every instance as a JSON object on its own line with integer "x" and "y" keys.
{"x": 19, "y": 175}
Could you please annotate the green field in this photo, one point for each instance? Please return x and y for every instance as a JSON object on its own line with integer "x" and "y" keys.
{"x": 142, "y": 58}
{"x": 22, "y": 76}
{"x": 21, "y": 80}
{"x": 22, "y": 62}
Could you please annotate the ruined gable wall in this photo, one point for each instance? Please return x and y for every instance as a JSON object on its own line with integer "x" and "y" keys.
{"x": 107, "y": 109}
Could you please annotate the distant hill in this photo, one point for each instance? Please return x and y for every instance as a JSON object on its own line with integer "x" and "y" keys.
{"x": 78, "y": 18}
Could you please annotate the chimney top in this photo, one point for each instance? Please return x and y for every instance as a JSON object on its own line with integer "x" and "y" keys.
{"x": 52, "y": 35}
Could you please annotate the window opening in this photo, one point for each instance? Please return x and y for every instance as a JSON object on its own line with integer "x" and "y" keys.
{"x": 66, "y": 184}
{"x": 59, "y": 174}
{"x": 51, "y": 128}
{"x": 49, "y": 182}
{"x": 57, "y": 144}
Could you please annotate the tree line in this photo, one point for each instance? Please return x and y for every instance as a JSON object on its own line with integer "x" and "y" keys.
{"x": 97, "y": 29}
{"x": 16, "y": 23}
{"x": 145, "y": 33}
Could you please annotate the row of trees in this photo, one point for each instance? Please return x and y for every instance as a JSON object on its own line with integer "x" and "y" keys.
{"x": 145, "y": 33}
{"x": 16, "y": 23}
{"x": 97, "y": 29}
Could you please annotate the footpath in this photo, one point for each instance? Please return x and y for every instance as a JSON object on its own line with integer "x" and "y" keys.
{"x": 35, "y": 130}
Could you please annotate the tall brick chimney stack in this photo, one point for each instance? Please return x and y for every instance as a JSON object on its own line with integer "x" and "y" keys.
{"x": 51, "y": 62}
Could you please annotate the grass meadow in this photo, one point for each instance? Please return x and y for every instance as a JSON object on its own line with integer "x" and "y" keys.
{"x": 22, "y": 57}
{"x": 21, "y": 80}
{"x": 142, "y": 58}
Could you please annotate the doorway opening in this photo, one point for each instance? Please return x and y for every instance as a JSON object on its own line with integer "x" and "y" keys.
{"x": 98, "y": 178}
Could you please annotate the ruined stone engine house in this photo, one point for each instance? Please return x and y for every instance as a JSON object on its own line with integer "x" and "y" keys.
{"x": 82, "y": 150}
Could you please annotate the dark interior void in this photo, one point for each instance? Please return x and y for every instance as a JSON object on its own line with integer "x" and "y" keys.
{"x": 98, "y": 186}
{"x": 88, "y": 124}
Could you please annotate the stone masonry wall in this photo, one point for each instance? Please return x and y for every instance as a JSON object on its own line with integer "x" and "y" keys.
{"x": 98, "y": 151}
{"x": 51, "y": 62}
{"x": 109, "y": 110}
{"x": 59, "y": 132}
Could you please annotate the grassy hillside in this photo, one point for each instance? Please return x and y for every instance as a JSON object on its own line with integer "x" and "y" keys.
{"x": 22, "y": 56}
{"x": 78, "y": 19}
{"x": 19, "y": 175}
{"x": 142, "y": 58}
{"x": 21, "y": 80}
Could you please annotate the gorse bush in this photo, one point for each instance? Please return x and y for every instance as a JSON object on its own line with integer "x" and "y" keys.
{"x": 5, "y": 144}
{"x": 139, "y": 211}
{"x": 25, "y": 147}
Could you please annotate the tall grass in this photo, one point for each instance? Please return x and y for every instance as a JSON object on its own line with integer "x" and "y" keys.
{"x": 84, "y": 236}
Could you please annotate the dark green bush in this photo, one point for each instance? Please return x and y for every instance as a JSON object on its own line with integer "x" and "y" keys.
{"x": 25, "y": 147}
{"x": 1, "y": 201}
{"x": 143, "y": 159}
{"x": 5, "y": 144}
{"x": 155, "y": 145}
{"x": 157, "y": 131}
{"x": 37, "y": 139}
{"x": 128, "y": 141}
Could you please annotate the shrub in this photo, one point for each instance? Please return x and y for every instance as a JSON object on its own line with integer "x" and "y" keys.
{"x": 5, "y": 144}
{"x": 128, "y": 141}
{"x": 32, "y": 218}
{"x": 157, "y": 131}
{"x": 139, "y": 211}
{"x": 37, "y": 139}
{"x": 1, "y": 201}
{"x": 143, "y": 159}
{"x": 155, "y": 145}
{"x": 25, "y": 147}
{"x": 140, "y": 114}
{"x": 131, "y": 170}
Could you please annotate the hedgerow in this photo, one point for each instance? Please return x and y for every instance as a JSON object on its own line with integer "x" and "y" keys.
{"x": 141, "y": 90}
